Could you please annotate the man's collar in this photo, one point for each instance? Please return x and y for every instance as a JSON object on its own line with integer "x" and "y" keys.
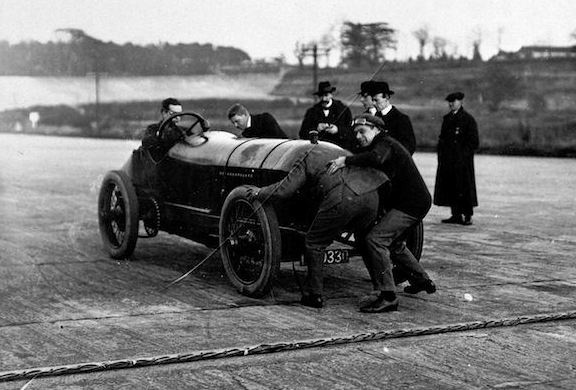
{"x": 386, "y": 110}
{"x": 249, "y": 122}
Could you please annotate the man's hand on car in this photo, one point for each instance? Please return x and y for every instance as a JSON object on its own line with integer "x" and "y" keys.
{"x": 252, "y": 193}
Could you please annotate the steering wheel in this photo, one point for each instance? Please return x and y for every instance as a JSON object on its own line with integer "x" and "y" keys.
{"x": 191, "y": 130}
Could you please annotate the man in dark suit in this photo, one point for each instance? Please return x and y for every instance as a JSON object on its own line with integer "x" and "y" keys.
{"x": 159, "y": 144}
{"x": 455, "y": 179}
{"x": 330, "y": 118}
{"x": 348, "y": 199}
{"x": 254, "y": 126}
{"x": 407, "y": 204}
{"x": 366, "y": 92}
{"x": 397, "y": 123}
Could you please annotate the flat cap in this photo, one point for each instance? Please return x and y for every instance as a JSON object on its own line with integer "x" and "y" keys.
{"x": 455, "y": 96}
{"x": 370, "y": 120}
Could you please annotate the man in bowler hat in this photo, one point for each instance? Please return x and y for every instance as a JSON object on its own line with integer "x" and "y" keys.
{"x": 366, "y": 88}
{"x": 455, "y": 179}
{"x": 397, "y": 123}
{"x": 330, "y": 118}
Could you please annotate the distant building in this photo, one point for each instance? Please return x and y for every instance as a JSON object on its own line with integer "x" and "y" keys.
{"x": 537, "y": 53}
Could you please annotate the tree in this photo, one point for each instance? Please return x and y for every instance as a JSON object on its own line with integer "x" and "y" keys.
{"x": 423, "y": 36}
{"x": 439, "y": 44}
{"x": 476, "y": 42}
{"x": 365, "y": 44}
{"x": 498, "y": 84}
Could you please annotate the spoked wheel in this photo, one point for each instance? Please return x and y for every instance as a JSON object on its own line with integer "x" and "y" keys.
{"x": 250, "y": 243}
{"x": 414, "y": 242}
{"x": 118, "y": 214}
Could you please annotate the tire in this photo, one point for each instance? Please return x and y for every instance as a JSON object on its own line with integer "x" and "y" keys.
{"x": 118, "y": 215}
{"x": 250, "y": 243}
{"x": 414, "y": 242}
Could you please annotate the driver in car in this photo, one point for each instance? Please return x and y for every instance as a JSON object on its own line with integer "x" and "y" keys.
{"x": 159, "y": 144}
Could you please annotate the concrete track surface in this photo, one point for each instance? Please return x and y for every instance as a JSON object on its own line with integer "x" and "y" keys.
{"x": 64, "y": 302}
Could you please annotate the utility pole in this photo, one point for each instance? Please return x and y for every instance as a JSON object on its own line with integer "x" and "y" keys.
{"x": 97, "y": 107}
{"x": 313, "y": 51}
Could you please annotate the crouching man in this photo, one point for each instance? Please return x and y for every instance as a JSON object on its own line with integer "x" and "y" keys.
{"x": 406, "y": 204}
{"x": 348, "y": 201}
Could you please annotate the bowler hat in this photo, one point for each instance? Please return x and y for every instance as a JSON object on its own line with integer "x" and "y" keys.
{"x": 324, "y": 87}
{"x": 455, "y": 96}
{"x": 366, "y": 87}
{"x": 381, "y": 87}
{"x": 370, "y": 120}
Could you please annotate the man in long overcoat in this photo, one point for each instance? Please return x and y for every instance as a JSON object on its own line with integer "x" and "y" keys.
{"x": 455, "y": 179}
{"x": 330, "y": 118}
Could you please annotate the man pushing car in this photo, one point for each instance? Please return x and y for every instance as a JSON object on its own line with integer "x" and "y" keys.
{"x": 348, "y": 200}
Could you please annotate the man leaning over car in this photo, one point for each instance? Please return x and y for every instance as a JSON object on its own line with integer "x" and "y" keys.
{"x": 348, "y": 199}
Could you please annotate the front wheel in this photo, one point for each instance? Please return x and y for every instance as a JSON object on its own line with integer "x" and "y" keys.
{"x": 250, "y": 243}
{"x": 118, "y": 214}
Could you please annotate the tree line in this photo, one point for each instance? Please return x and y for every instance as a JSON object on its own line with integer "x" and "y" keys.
{"x": 83, "y": 54}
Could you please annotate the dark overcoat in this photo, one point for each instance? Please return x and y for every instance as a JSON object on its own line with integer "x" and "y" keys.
{"x": 409, "y": 193}
{"x": 263, "y": 126}
{"x": 455, "y": 180}
{"x": 339, "y": 115}
{"x": 400, "y": 128}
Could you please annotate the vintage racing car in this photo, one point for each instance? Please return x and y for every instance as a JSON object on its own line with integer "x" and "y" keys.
{"x": 199, "y": 191}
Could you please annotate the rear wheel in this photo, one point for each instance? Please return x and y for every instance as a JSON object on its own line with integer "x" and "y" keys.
{"x": 250, "y": 243}
{"x": 118, "y": 214}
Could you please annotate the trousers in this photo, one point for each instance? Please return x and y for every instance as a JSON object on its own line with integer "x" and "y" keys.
{"x": 356, "y": 213}
{"x": 384, "y": 246}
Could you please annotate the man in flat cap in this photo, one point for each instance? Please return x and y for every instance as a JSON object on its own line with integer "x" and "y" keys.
{"x": 455, "y": 179}
{"x": 397, "y": 123}
{"x": 406, "y": 205}
{"x": 330, "y": 118}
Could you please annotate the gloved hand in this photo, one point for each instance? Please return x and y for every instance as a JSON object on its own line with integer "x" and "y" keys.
{"x": 252, "y": 193}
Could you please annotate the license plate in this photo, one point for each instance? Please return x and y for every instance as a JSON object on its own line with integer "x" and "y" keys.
{"x": 336, "y": 256}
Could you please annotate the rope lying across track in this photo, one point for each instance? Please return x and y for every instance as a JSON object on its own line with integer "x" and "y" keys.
{"x": 276, "y": 347}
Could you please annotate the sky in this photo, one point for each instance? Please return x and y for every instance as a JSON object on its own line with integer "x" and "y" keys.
{"x": 271, "y": 28}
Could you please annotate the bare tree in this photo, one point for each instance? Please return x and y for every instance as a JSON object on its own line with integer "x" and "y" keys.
{"x": 476, "y": 42}
{"x": 573, "y": 35}
{"x": 423, "y": 37}
{"x": 300, "y": 53}
{"x": 439, "y": 44}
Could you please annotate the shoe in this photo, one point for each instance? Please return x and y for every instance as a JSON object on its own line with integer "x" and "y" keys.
{"x": 312, "y": 300}
{"x": 454, "y": 219}
{"x": 380, "y": 305}
{"x": 427, "y": 286}
{"x": 368, "y": 300}
{"x": 467, "y": 220}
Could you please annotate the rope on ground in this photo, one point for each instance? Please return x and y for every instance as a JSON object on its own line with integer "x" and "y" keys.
{"x": 277, "y": 347}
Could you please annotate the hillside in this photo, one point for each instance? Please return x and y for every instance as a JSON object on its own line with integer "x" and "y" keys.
{"x": 537, "y": 113}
